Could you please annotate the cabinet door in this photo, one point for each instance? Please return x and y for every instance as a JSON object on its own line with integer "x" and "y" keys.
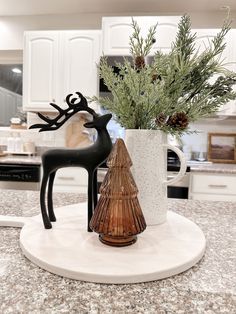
{"x": 212, "y": 186}
{"x": 229, "y": 61}
{"x": 166, "y": 32}
{"x": 73, "y": 179}
{"x": 81, "y": 57}
{"x": 204, "y": 38}
{"x": 117, "y": 32}
{"x": 115, "y": 35}
{"x": 40, "y": 70}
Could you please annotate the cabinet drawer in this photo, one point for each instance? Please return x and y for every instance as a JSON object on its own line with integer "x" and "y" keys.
{"x": 213, "y": 197}
{"x": 71, "y": 176}
{"x": 213, "y": 184}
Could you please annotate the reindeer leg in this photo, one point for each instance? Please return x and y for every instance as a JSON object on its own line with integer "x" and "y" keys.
{"x": 90, "y": 198}
{"x": 46, "y": 221}
{"x": 95, "y": 189}
{"x": 51, "y": 214}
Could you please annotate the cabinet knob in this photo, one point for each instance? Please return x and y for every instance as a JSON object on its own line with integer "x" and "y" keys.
{"x": 66, "y": 178}
{"x": 220, "y": 186}
{"x": 53, "y": 100}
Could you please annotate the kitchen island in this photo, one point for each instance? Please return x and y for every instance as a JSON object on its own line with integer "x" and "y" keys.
{"x": 208, "y": 287}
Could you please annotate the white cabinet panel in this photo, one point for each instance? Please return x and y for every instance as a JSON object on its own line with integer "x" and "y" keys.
{"x": 40, "y": 70}
{"x": 204, "y": 38}
{"x": 210, "y": 197}
{"x": 81, "y": 56}
{"x": 203, "y": 41}
{"x": 58, "y": 63}
{"x": 72, "y": 179}
{"x": 229, "y": 55}
{"x": 166, "y": 32}
{"x": 229, "y": 61}
{"x": 212, "y": 186}
{"x": 117, "y": 32}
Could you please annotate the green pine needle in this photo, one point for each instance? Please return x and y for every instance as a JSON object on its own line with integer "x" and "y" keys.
{"x": 181, "y": 81}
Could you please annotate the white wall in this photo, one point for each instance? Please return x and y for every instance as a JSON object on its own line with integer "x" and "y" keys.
{"x": 197, "y": 142}
{"x": 12, "y": 28}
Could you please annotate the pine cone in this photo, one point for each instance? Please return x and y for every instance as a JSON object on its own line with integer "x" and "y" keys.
{"x": 139, "y": 62}
{"x": 178, "y": 120}
{"x": 161, "y": 119}
{"x": 154, "y": 77}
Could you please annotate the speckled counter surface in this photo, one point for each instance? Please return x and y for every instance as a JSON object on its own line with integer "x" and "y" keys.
{"x": 195, "y": 167}
{"x": 213, "y": 168}
{"x": 209, "y": 287}
{"x": 20, "y": 160}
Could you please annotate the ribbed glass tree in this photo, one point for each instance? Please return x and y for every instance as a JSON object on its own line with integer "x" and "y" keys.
{"x": 118, "y": 217}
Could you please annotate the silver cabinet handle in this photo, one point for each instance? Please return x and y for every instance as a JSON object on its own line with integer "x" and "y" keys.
{"x": 66, "y": 178}
{"x": 220, "y": 186}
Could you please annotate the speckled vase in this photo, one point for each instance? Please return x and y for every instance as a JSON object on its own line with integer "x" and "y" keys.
{"x": 148, "y": 151}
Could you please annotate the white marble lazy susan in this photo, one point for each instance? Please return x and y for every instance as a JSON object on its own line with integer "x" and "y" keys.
{"x": 69, "y": 250}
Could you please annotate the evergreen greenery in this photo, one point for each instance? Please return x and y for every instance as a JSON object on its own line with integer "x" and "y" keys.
{"x": 177, "y": 88}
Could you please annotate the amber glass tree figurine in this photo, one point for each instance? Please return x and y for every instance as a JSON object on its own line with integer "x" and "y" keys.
{"x": 118, "y": 217}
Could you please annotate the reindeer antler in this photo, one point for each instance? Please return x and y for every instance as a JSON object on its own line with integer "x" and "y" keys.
{"x": 73, "y": 107}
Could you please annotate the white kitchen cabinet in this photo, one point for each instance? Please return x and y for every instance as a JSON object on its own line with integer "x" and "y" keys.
{"x": 75, "y": 179}
{"x": 212, "y": 186}
{"x": 203, "y": 41}
{"x": 82, "y": 52}
{"x": 41, "y": 70}
{"x": 204, "y": 38}
{"x": 116, "y": 32}
{"x": 229, "y": 61}
{"x": 58, "y": 63}
{"x": 71, "y": 179}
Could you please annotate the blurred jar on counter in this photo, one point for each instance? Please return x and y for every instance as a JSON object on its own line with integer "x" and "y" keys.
{"x": 29, "y": 147}
{"x": 187, "y": 150}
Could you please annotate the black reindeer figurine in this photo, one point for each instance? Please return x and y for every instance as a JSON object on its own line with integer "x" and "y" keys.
{"x": 89, "y": 158}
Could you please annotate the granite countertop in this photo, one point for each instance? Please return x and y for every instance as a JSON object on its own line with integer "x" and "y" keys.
{"x": 213, "y": 167}
{"x": 209, "y": 287}
{"x": 20, "y": 159}
{"x": 195, "y": 166}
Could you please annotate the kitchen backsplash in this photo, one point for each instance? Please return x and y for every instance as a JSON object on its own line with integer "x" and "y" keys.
{"x": 68, "y": 134}
{"x": 197, "y": 142}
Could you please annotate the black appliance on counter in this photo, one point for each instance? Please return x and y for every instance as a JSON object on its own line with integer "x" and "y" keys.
{"x": 20, "y": 176}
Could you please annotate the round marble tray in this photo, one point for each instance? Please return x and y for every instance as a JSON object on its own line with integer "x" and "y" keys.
{"x": 70, "y": 251}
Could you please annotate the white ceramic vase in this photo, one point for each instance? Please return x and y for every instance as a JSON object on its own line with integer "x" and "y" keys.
{"x": 148, "y": 151}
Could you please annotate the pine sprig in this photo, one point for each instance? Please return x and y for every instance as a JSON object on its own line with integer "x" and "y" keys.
{"x": 218, "y": 41}
{"x": 184, "y": 43}
{"x": 138, "y": 45}
{"x": 179, "y": 87}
